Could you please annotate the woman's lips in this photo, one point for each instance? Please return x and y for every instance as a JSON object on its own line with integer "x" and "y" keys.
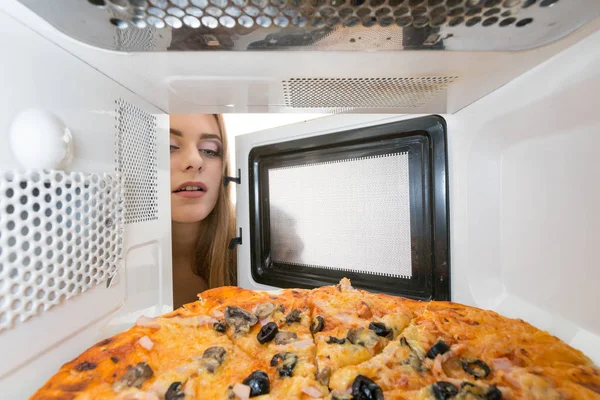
{"x": 190, "y": 194}
{"x": 191, "y": 190}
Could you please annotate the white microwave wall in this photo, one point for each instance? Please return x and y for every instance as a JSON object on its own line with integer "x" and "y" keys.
{"x": 523, "y": 195}
{"x": 524, "y": 198}
{"x": 35, "y": 73}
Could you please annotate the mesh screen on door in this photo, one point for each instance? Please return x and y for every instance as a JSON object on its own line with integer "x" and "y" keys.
{"x": 351, "y": 215}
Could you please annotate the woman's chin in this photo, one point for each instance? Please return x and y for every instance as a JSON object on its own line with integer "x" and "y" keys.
{"x": 188, "y": 217}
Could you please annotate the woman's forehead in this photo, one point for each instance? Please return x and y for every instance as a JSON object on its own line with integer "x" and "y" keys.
{"x": 194, "y": 125}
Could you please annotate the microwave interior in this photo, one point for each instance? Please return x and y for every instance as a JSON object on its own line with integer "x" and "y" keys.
{"x": 455, "y": 150}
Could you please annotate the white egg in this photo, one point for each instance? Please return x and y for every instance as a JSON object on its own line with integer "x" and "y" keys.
{"x": 41, "y": 140}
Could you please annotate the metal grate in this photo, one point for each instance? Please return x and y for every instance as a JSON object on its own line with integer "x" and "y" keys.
{"x": 363, "y": 92}
{"x": 136, "y": 39}
{"x": 60, "y": 234}
{"x": 136, "y": 161}
{"x": 314, "y": 224}
{"x": 362, "y": 38}
{"x": 228, "y": 14}
{"x": 240, "y": 25}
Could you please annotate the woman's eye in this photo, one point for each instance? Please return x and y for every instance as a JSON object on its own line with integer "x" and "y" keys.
{"x": 173, "y": 148}
{"x": 210, "y": 149}
{"x": 210, "y": 153}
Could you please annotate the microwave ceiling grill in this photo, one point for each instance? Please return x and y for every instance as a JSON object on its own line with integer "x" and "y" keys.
{"x": 191, "y": 25}
{"x": 363, "y": 38}
{"x": 410, "y": 92}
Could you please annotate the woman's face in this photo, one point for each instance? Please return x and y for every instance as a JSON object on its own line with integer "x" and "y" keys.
{"x": 196, "y": 166}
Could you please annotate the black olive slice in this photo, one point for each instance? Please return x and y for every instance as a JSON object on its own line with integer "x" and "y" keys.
{"x": 276, "y": 358}
{"x": 267, "y": 333}
{"x": 476, "y": 367}
{"x": 292, "y": 317}
{"x": 493, "y": 393}
{"x": 285, "y": 363}
{"x": 365, "y": 389}
{"x": 443, "y": 390}
{"x": 317, "y": 325}
{"x": 220, "y": 327}
{"x": 334, "y": 340}
{"x": 440, "y": 347}
{"x": 174, "y": 392}
{"x": 380, "y": 329}
{"x": 258, "y": 382}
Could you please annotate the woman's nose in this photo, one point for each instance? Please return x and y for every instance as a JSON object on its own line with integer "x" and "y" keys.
{"x": 193, "y": 160}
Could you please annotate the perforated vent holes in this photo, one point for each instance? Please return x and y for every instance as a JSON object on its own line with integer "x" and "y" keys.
{"x": 60, "y": 234}
{"x": 136, "y": 161}
{"x": 135, "y": 39}
{"x": 229, "y": 14}
{"x": 363, "y": 92}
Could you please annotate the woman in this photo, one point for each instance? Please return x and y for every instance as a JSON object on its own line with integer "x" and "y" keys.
{"x": 201, "y": 211}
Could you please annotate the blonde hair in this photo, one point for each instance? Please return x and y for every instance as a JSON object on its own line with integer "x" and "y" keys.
{"x": 214, "y": 262}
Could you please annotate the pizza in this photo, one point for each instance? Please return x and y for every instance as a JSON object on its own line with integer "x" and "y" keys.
{"x": 333, "y": 342}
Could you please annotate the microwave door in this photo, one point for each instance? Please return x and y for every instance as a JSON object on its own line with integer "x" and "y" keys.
{"x": 357, "y": 196}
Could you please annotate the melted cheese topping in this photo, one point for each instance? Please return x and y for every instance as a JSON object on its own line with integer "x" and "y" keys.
{"x": 523, "y": 361}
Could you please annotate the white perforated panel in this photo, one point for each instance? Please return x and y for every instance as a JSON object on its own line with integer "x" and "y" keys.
{"x": 136, "y": 161}
{"x": 409, "y": 92}
{"x": 60, "y": 234}
{"x": 316, "y": 208}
